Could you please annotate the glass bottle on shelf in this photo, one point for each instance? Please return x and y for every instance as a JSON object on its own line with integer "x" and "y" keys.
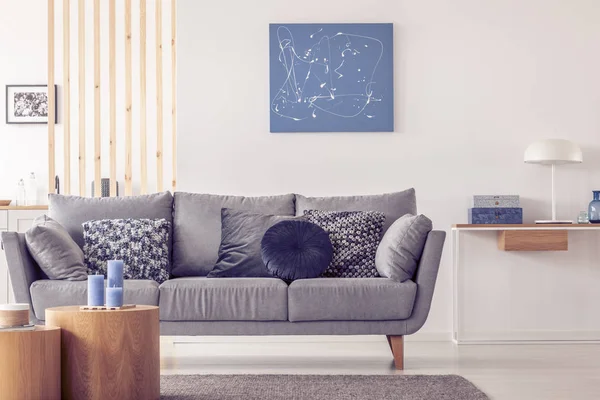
{"x": 594, "y": 208}
{"x": 31, "y": 190}
{"x": 21, "y": 198}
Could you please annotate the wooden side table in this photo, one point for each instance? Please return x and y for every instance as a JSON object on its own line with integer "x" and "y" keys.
{"x": 30, "y": 364}
{"x": 109, "y": 354}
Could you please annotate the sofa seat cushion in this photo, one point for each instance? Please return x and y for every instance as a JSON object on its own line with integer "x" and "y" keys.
{"x": 350, "y": 299}
{"x": 223, "y": 299}
{"x": 47, "y": 293}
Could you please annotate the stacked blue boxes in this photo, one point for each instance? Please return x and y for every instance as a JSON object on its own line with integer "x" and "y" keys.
{"x": 496, "y": 210}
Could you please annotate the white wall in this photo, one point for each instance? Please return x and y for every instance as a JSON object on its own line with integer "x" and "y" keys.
{"x": 475, "y": 83}
{"x": 23, "y": 48}
{"x": 23, "y": 45}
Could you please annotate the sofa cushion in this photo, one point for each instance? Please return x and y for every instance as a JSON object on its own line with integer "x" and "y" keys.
{"x": 239, "y": 252}
{"x": 350, "y": 299}
{"x": 55, "y": 251}
{"x": 50, "y": 293}
{"x": 393, "y": 205}
{"x": 223, "y": 299}
{"x": 197, "y": 226}
{"x": 354, "y": 236}
{"x": 401, "y": 247}
{"x": 140, "y": 243}
{"x": 296, "y": 250}
{"x": 72, "y": 211}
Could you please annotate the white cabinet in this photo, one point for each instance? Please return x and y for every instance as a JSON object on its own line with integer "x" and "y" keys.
{"x": 14, "y": 219}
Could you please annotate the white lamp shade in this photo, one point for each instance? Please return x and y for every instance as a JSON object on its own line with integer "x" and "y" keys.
{"x": 553, "y": 152}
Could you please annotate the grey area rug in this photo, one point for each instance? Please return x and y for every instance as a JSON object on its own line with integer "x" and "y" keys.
{"x": 318, "y": 387}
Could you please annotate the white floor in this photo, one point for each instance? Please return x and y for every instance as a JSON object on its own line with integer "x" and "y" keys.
{"x": 532, "y": 371}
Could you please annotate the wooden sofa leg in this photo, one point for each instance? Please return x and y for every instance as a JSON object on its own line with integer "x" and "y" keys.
{"x": 397, "y": 346}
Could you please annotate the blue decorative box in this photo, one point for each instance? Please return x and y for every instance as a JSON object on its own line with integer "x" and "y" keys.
{"x": 495, "y": 215}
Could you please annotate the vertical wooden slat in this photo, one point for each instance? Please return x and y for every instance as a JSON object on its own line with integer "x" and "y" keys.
{"x": 51, "y": 97}
{"x": 67, "y": 94}
{"x": 97, "y": 132}
{"x": 174, "y": 92}
{"x": 112, "y": 97}
{"x": 159, "y": 99}
{"x": 81, "y": 56}
{"x": 128, "y": 100}
{"x": 143, "y": 145}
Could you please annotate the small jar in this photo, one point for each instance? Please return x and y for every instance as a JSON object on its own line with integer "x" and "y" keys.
{"x": 582, "y": 218}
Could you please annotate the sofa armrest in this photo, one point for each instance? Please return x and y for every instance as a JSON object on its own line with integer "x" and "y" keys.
{"x": 22, "y": 267}
{"x": 425, "y": 278}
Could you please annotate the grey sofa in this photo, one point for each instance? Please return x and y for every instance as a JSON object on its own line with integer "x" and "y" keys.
{"x": 192, "y": 304}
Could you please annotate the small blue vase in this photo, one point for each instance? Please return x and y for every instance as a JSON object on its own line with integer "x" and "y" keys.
{"x": 594, "y": 209}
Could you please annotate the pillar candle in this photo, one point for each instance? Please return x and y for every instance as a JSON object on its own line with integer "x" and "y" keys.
{"x": 95, "y": 290}
{"x": 114, "y": 296}
{"x": 115, "y": 273}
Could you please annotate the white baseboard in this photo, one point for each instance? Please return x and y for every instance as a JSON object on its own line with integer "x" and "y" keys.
{"x": 429, "y": 337}
{"x": 529, "y": 336}
{"x": 417, "y": 337}
{"x": 490, "y": 337}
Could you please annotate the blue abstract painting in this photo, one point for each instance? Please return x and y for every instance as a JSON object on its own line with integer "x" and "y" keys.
{"x": 331, "y": 77}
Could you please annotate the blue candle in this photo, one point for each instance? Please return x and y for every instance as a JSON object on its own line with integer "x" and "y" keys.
{"x": 114, "y": 296}
{"x": 95, "y": 290}
{"x": 115, "y": 273}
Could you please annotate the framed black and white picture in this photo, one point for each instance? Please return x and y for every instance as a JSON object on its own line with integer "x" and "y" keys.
{"x": 27, "y": 104}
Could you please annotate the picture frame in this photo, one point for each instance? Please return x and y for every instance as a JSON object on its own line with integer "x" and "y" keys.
{"x": 28, "y": 104}
{"x": 331, "y": 77}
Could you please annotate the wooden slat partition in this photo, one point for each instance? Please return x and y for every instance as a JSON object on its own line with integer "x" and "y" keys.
{"x": 97, "y": 132}
{"x": 67, "y": 94}
{"x": 112, "y": 91}
{"x": 112, "y": 96}
{"x": 174, "y": 92}
{"x": 143, "y": 133}
{"x": 81, "y": 72}
{"x": 159, "y": 99}
{"x": 51, "y": 97}
{"x": 128, "y": 101}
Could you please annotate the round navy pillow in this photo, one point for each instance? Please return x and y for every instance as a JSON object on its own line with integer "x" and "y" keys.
{"x": 296, "y": 249}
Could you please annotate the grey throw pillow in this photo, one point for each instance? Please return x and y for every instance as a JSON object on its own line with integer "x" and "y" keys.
{"x": 402, "y": 246}
{"x": 55, "y": 251}
{"x": 240, "y": 250}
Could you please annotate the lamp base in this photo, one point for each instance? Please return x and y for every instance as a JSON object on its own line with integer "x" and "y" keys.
{"x": 558, "y": 221}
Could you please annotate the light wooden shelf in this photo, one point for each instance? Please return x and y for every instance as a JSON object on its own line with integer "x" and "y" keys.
{"x": 40, "y": 207}
{"x": 524, "y": 227}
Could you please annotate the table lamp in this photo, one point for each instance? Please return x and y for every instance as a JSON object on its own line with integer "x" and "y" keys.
{"x": 553, "y": 152}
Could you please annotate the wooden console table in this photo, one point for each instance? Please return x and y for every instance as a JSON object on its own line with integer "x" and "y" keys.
{"x": 522, "y": 237}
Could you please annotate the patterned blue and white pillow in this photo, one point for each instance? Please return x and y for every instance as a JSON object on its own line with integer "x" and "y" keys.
{"x": 142, "y": 244}
{"x": 354, "y": 236}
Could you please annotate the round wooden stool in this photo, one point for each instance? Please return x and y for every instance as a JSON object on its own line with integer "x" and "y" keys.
{"x": 109, "y": 354}
{"x": 30, "y": 364}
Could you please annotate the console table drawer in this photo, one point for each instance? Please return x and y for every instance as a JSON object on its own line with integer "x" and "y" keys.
{"x": 3, "y": 219}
